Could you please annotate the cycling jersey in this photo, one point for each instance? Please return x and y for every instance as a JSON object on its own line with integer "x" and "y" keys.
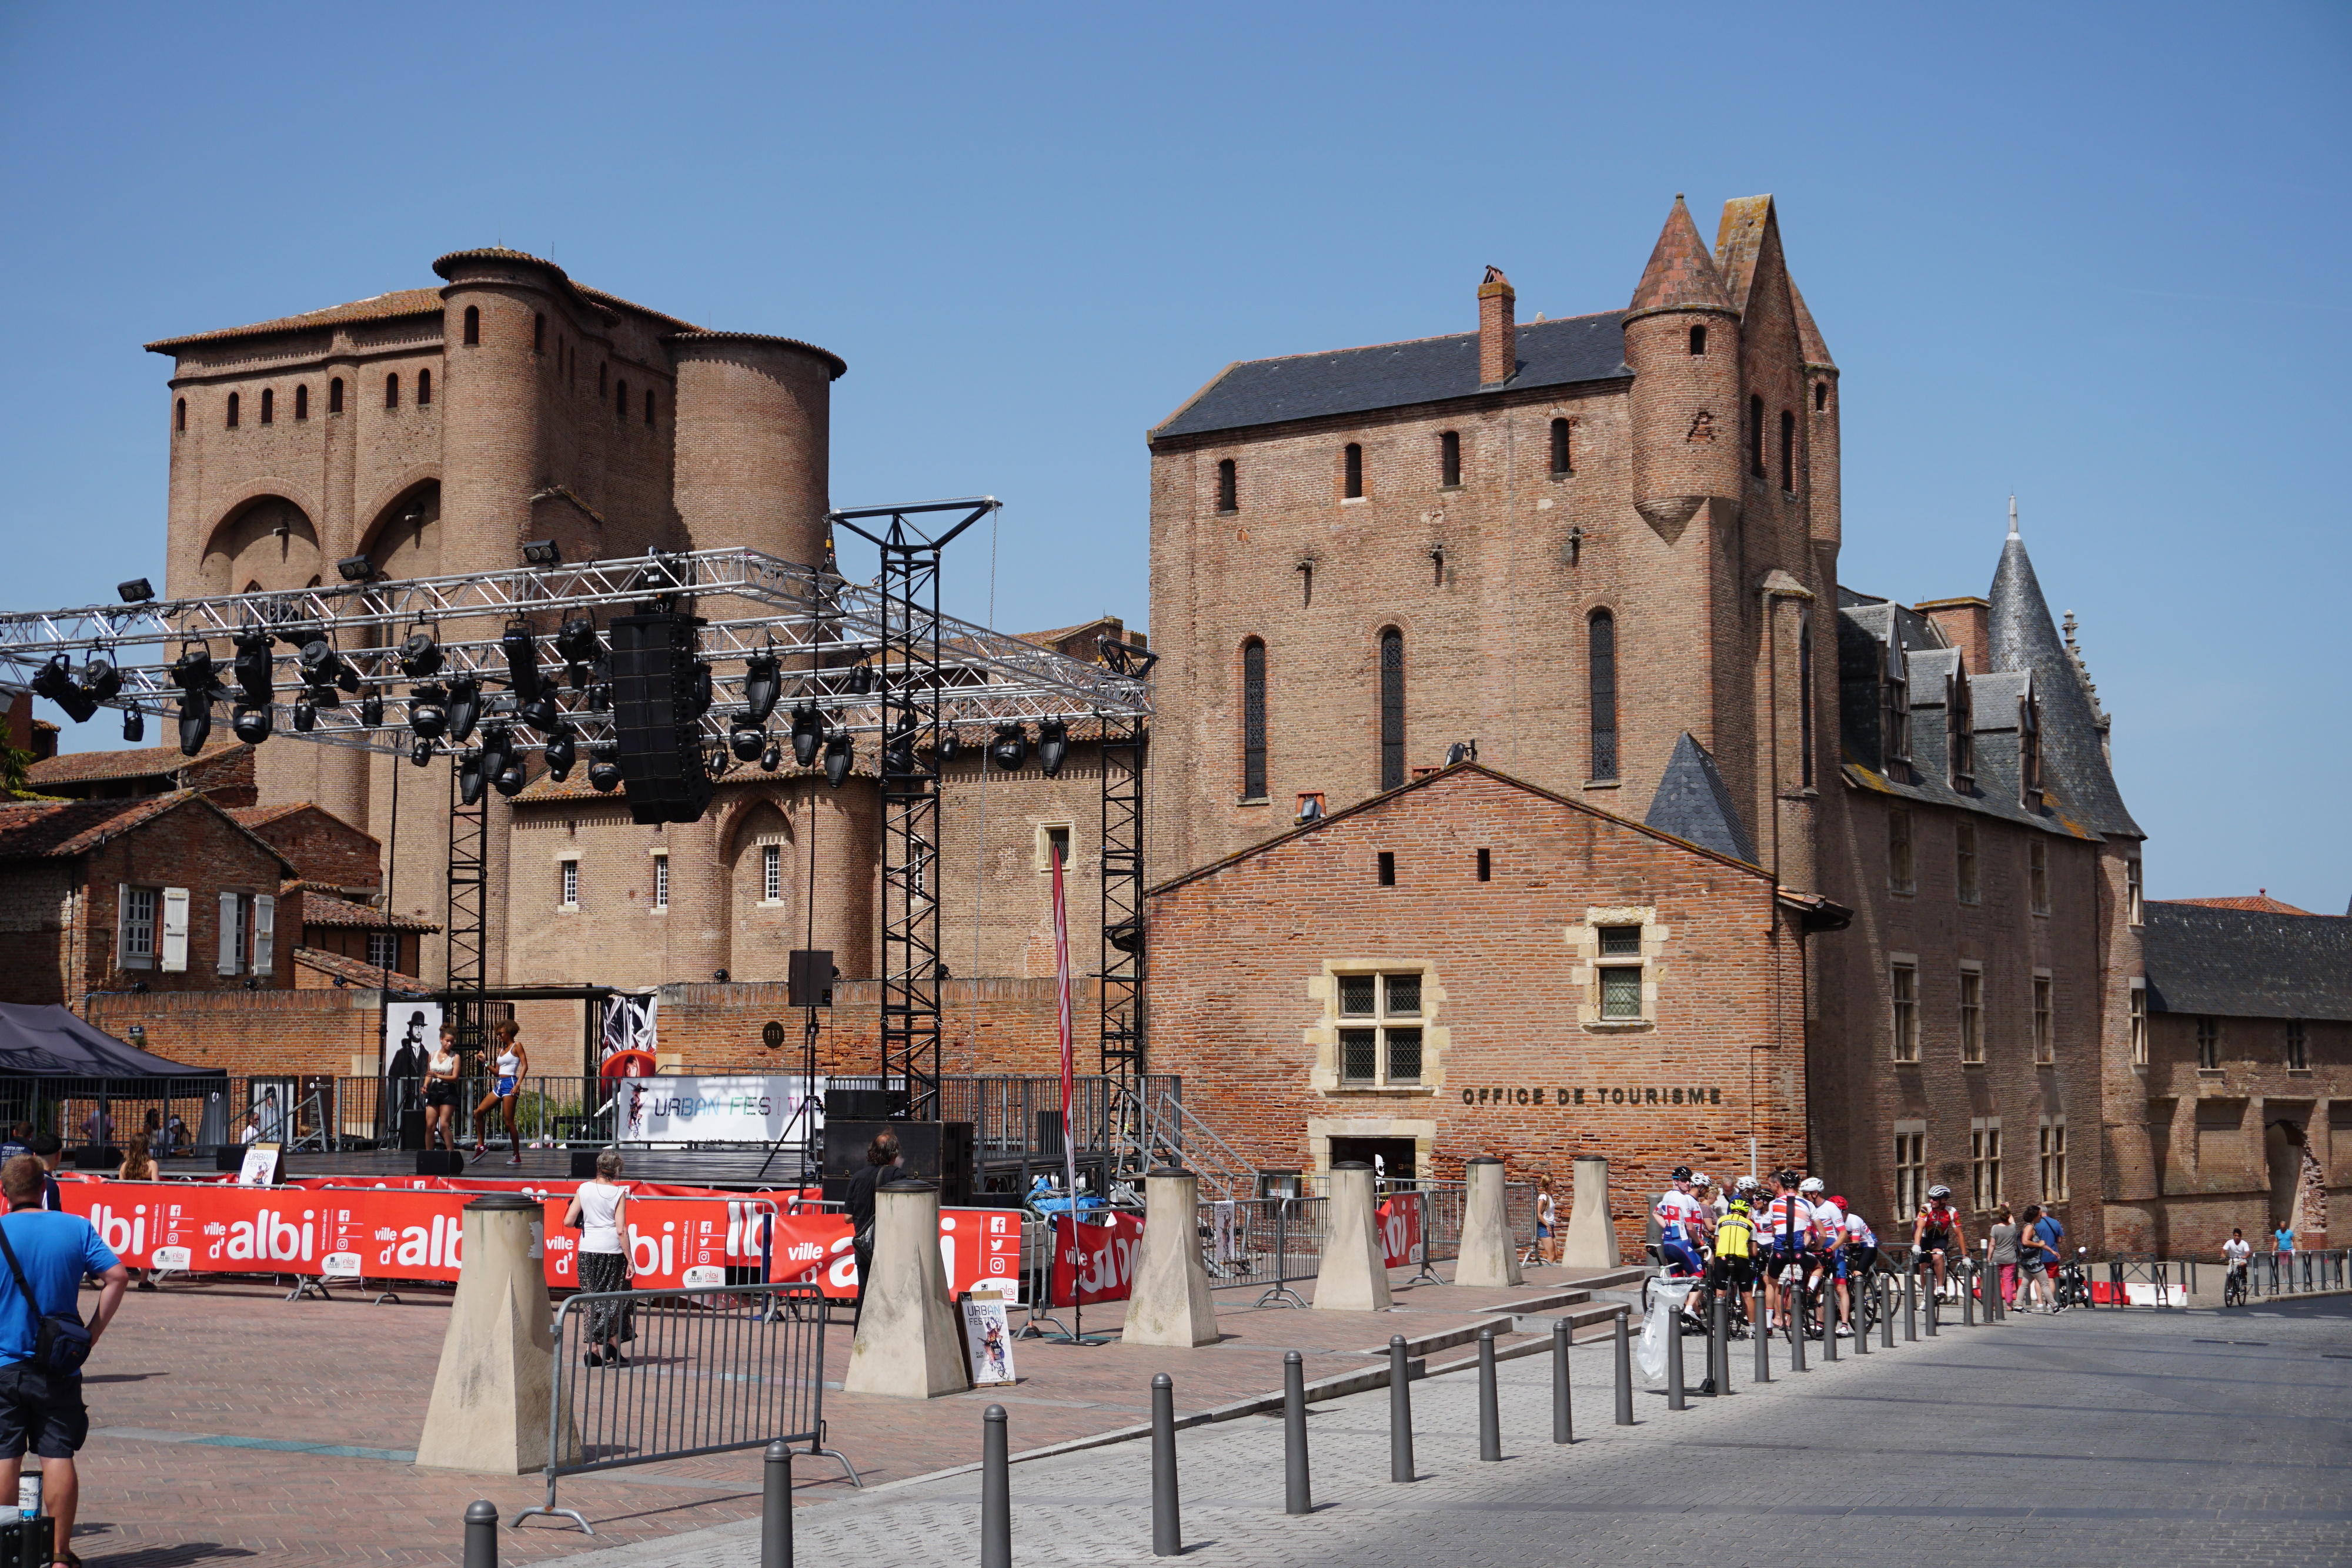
{"x": 1858, "y": 1233}
{"x": 1937, "y": 1235}
{"x": 1828, "y": 1223}
{"x": 1788, "y": 1222}
{"x": 1680, "y": 1215}
{"x": 1735, "y": 1236}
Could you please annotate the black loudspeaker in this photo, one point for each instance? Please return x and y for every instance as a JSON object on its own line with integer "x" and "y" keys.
{"x": 228, "y": 1157}
{"x": 935, "y": 1151}
{"x": 93, "y": 1157}
{"x": 863, "y": 1104}
{"x": 584, "y": 1163}
{"x": 412, "y": 1130}
{"x": 440, "y": 1163}
{"x": 657, "y": 717}
{"x": 808, "y": 977}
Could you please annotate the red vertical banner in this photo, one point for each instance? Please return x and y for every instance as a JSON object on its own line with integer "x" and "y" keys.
{"x": 1069, "y": 1060}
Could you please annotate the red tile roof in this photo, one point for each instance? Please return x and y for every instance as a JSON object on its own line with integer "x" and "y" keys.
{"x": 375, "y": 308}
{"x": 355, "y": 971}
{"x": 32, "y": 830}
{"x": 142, "y": 762}
{"x": 2261, "y": 904}
{"x": 329, "y": 910}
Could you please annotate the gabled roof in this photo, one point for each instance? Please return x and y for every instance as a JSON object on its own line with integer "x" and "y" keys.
{"x": 1693, "y": 803}
{"x": 1251, "y": 393}
{"x": 38, "y": 830}
{"x": 1747, "y": 228}
{"x": 1808, "y": 336}
{"x": 330, "y": 910}
{"x": 138, "y": 762}
{"x": 354, "y": 972}
{"x": 1439, "y": 778}
{"x": 2024, "y": 637}
{"x": 2242, "y": 963}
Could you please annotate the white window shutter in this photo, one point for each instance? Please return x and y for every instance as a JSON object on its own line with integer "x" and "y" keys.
{"x": 122, "y": 922}
{"x": 265, "y": 933}
{"x": 228, "y": 964}
{"x": 175, "y": 931}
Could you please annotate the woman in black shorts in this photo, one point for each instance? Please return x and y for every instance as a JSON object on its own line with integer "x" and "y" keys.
{"x": 441, "y": 1090}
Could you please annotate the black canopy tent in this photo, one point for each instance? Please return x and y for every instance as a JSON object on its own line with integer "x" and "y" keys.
{"x": 51, "y": 1059}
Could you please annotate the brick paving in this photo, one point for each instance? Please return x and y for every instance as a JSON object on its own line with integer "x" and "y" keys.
{"x": 229, "y": 1423}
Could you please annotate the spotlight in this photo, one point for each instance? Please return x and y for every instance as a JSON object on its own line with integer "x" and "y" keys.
{"x": 55, "y": 682}
{"x": 714, "y": 756}
{"x": 465, "y": 706}
{"x": 134, "y": 726}
{"x": 577, "y": 642}
{"x": 1127, "y": 935}
{"x": 838, "y": 753}
{"x": 523, "y": 659}
{"x": 1011, "y": 747}
{"x": 746, "y": 740}
{"x": 772, "y": 758}
{"x": 511, "y": 778}
{"x": 950, "y": 747}
{"x": 898, "y": 752}
{"x": 542, "y": 712}
{"x": 420, "y": 750}
{"x": 1052, "y": 746}
{"x": 101, "y": 680}
{"x": 138, "y": 590}
{"x": 542, "y": 552}
{"x": 306, "y": 716}
{"x": 600, "y": 697}
{"x": 193, "y": 670}
{"x": 429, "y": 713}
{"x": 562, "y": 749}
{"x": 861, "y": 680}
{"x": 356, "y": 568}
{"x": 604, "y": 773}
{"x": 471, "y": 779}
{"x": 762, "y": 685}
{"x": 251, "y": 723}
{"x": 703, "y": 694}
{"x": 251, "y": 666}
{"x": 719, "y": 976}
{"x": 497, "y": 749}
{"x": 808, "y": 732}
{"x": 372, "y": 710}
{"x": 1461, "y": 752}
{"x": 196, "y": 721}
{"x": 420, "y": 656}
{"x": 321, "y": 666}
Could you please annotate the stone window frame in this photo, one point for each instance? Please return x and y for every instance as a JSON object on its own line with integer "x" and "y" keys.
{"x": 1968, "y": 1015}
{"x": 1322, "y": 1035}
{"x": 1910, "y": 1139}
{"x": 2297, "y": 1046}
{"x": 2208, "y": 1046}
{"x": 1903, "y": 870}
{"x": 2037, "y": 875}
{"x": 2042, "y": 1002}
{"x": 124, "y": 926}
{"x": 660, "y": 903}
{"x": 2135, "y": 1019}
{"x": 1968, "y": 879}
{"x": 2053, "y": 1160}
{"x": 1984, "y": 1164}
{"x": 2135, "y": 893}
{"x": 1041, "y": 854}
{"x": 1901, "y": 1043}
{"x": 1583, "y": 941}
{"x": 567, "y": 883}
{"x": 772, "y": 876}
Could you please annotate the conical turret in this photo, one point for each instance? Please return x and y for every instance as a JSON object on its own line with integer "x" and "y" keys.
{"x": 1682, "y": 342}
{"x": 2024, "y": 637}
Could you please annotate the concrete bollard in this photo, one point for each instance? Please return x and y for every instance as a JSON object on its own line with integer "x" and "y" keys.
{"x": 995, "y": 1490}
{"x": 1354, "y": 1276}
{"x": 1490, "y": 1415}
{"x": 1624, "y": 1367}
{"x": 1489, "y": 1255}
{"x": 1170, "y": 1304}
{"x": 1167, "y": 1530}
{"x": 497, "y": 1378}
{"x": 1591, "y": 1240}
{"x": 1563, "y": 1418}
{"x": 1297, "y": 1495}
{"x": 907, "y": 1342}
{"x": 1400, "y": 1411}
{"x": 482, "y": 1534}
{"x": 776, "y": 1507}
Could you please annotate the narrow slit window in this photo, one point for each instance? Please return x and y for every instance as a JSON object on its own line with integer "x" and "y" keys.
{"x": 649, "y": 406}
{"x": 661, "y": 882}
{"x": 269, "y": 405}
{"x": 1388, "y": 868}
{"x": 1756, "y": 437}
{"x": 2037, "y": 875}
{"x": 1353, "y": 462}
{"x": 771, "y": 873}
{"x": 1820, "y": 396}
{"x": 1905, "y": 981}
{"x": 1601, "y": 642}
{"x": 1788, "y": 452}
{"x": 1697, "y": 341}
{"x": 335, "y": 395}
{"x": 539, "y": 332}
{"x": 179, "y": 416}
{"x": 1392, "y": 709}
{"x": 621, "y": 404}
{"x": 232, "y": 411}
{"x": 424, "y": 387}
{"x": 1900, "y": 877}
{"x": 302, "y": 402}
{"x": 1486, "y": 865}
{"x": 1563, "y": 452}
{"x": 1449, "y": 459}
{"x": 1228, "y": 489}
{"x": 1972, "y": 1043}
{"x": 1805, "y": 706}
{"x": 1253, "y": 720}
{"x": 473, "y": 326}
{"x": 392, "y": 390}
{"x": 600, "y": 379}
{"x": 2046, "y": 1038}
{"x": 2209, "y": 1045}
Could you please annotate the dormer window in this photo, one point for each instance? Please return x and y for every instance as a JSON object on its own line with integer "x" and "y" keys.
{"x": 1961, "y": 734}
{"x": 2029, "y": 751}
{"x": 1894, "y": 703}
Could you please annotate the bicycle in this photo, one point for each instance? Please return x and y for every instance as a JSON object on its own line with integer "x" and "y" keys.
{"x": 2234, "y": 1286}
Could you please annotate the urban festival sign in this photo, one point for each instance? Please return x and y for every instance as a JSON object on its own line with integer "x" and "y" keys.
{"x": 750, "y": 1108}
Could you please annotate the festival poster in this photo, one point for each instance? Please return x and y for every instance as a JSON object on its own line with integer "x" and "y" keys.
{"x": 1401, "y": 1235}
{"x": 412, "y": 1032}
{"x": 988, "y": 1338}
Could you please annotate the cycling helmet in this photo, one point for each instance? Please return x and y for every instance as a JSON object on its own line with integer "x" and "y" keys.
{"x": 1940, "y": 1191}
{"x": 1840, "y": 1202}
{"x": 1682, "y": 1173}
{"x": 1700, "y": 1180}
{"x": 1738, "y": 1206}
{"x": 1810, "y": 1184}
{"x": 1746, "y": 1184}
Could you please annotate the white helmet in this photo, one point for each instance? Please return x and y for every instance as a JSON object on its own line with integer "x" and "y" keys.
{"x": 1700, "y": 1180}
{"x": 1810, "y": 1184}
{"x": 1746, "y": 1184}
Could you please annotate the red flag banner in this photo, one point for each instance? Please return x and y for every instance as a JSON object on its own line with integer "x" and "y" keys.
{"x": 1099, "y": 1266}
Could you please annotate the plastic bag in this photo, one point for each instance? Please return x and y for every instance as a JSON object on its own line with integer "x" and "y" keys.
{"x": 1665, "y": 1299}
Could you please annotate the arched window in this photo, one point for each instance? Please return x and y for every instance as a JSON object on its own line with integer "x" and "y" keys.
{"x": 302, "y": 402}
{"x": 1253, "y": 720}
{"x": 1805, "y": 706}
{"x": 473, "y": 325}
{"x": 232, "y": 411}
{"x": 1449, "y": 459}
{"x": 269, "y": 405}
{"x": 649, "y": 405}
{"x": 539, "y": 333}
{"x": 392, "y": 390}
{"x": 1392, "y": 709}
{"x": 1698, "y": 341}
{"x": 1820, "y": 396}
{"x": 1563, "y": 451}
{"x": 179, "y": 416}
{"x": 1355, "y": 472}
{"x": 424, "y": 387}
{"x": 1756, "y": 437}
{"x": 335, "y": 394}
{"x": 621, "y": 404}
{"x": 1228, "y": 488}
{"x": 1788, "y": 452}
{"x": 1601, "y": 644}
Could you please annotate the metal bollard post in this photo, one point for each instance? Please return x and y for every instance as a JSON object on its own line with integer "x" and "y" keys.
{"x": 1490, "y": 1415}
{"x": 1719, "y": 1346}
{"x": 1885, "y": 1313}
{"x": 1624, "y": 1367}
{"x": 1796, "y": 1326}
{"x": 1763, "y": 1338}
{"x": 1836, "y": 1320}
{"x": 481, "y": 1534}
{"x": 1911, "y": 1305}
{"x": 1400, "y": 1411}
{"x": 1935, "y": 1309}
{"x": 1167, "y": 1533}
{"x": 1563, "y": 1424}
{"x": 995, "y": 1491}
{"x": 1967, "y": 1298}
{"x": 1859, "y": 1300}
{"x": 1674, "y": 1400}
{"x": 776, "y": 1507}
{"x": 1297, "y": 1496}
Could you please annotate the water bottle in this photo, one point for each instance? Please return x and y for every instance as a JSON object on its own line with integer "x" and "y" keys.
{"x": 28, "y": 1493}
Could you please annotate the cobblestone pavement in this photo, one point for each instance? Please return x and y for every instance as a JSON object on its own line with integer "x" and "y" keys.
{"x": 2087, "y": 1438}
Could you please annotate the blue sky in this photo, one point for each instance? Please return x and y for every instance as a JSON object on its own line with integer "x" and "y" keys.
{"x": 2081, "y": 252}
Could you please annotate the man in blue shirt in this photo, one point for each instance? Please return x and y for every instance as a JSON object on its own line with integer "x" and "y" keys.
{"x": 40, "y": 1410}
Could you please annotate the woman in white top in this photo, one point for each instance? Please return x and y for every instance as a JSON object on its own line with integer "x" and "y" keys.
{"x": 441, "y": 1092}
{"x": 513, "y": 1066}
{"x": 600, "y": 1212}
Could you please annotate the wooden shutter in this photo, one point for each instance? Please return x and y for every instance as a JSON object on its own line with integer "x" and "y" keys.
{"x": 226, "y": 961}
{"x": 174, "y": 947}
{"x": 265, "y": 933}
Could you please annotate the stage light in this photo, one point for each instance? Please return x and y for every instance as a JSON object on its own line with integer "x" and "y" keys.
{"x": 193, "y": 670}
{"x": 577, "y": 641}
{"x": 372, "y": 710}
{"x": 469, "y": 780}
{"x": 542, "y": 712}
{"x": 772, "y": 758}
{"x": 306, "y": 716}
{"x": 356, "y": 568}
{"x": 511, "y": 778}
{"x": 195, "y": 722}
{"x": 523, "y": 659}
{"x": 420, "y": 750}
{"x": 429, "y": 713}
{"x": 562, "y": 750}
{"x": 861, "y": 680}
{"x": 746, "y": 740}
{"x": 719, "y": 976}
{"x": 762, "y": 685}
{"x": 600, "y": 697}
{"x": 1052, "y": 746}
{"x": 808, "y": 733}
{"x": 542, "y": 552}
{"x": 949, "y": 747}
{"x": 1127, "y": 935}
{"x": 604, "y": 773}
{"x": 1010, "y": 750}
{"x": 55, "y": 682}
{"x": 898, "y": 752}
{"x": 714, "y": 756}
{"x": 464, "y": 707}
{"x": 251, "y": 723}
{"x": 251, "y": 666}
{"x": 703, "y": 692}
{"x": 138, "y": 590}
{"x": 100, "y": 679}
{"x": 322, "y": 666}
{"x": 1461, "y": 752}
{"x": 497, "y": 749}
{"x": 838, "y": 753}
{"x": 134, "y": 726}
{"x": 420, "y": 656}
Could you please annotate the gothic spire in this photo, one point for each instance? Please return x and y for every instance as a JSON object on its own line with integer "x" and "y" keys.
{"x": 1681, "y": 275}
{"x": 2025, "y": 637}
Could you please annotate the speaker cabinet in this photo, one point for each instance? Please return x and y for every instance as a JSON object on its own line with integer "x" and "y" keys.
{"x": 657, "y": 705}
{"x": 440, "y": 1163}
{"x": 935, "y": 1151}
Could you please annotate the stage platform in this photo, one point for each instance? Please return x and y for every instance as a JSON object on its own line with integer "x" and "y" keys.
{"x": 733, "y": 1168}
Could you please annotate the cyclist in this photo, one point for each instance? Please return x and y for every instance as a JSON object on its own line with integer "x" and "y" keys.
{"x": 1861, "y": 1251}
{"x": 1936, "y": 1233}
{"x": 1710, "y": 1198}
{"x": 1682, "y": 1223}
{"x": 2236, "y": 1253}
{"x": 1787, "y": 1233}
{"x": 1734, "y": 1269}
{"x": 1829, "y": 1239}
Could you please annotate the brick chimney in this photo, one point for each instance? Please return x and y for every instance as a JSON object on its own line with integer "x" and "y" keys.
{"x": 1965, "y": 625}
{"x": 1499, "y": 334}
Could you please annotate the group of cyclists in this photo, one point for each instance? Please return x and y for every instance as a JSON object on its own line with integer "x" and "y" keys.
{"x": 1786, "y": 1247}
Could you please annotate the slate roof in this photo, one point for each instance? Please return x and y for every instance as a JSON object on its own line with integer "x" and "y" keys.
{"x": 1692, "y": 802}
{"x": 2244, "y": 963}
{"x": 1397, "y": 375}
{"x": 2024, "y": 637}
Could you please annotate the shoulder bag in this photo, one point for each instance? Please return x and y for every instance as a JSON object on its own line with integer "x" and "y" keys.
{"x": 61, "y": 1341}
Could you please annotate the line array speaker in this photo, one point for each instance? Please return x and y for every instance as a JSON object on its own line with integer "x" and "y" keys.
{"x": 656, "y": 710}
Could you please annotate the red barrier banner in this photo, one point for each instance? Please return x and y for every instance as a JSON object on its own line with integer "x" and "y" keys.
{"x": 1104, "y": 1270}
{"x": 1401, "y": 1234}
{"x": 978, "y": 1246}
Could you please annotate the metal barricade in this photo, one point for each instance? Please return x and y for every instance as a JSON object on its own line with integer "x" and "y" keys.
{"x": 700, "y": 1372}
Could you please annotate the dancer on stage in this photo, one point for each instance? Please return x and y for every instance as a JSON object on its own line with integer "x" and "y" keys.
{"x": 513, "y": 1066}
{"x": 441, "y": 1092}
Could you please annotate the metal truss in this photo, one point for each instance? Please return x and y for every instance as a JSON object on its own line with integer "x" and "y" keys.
{"x": 469, "y": 879}
{"x": 1120, "y": 979}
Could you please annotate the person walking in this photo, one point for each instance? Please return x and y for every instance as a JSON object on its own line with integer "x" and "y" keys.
{"x": 600, "y": 1212}
{"x": 1547, "y": 1222}
{"x": 441, "y": 1092}
{"x": 2283, "y": 1238}
{"x": 2036, "y": 1256}
{"x": 46, "y": 1255}
{"x": 513, "y": 1065}
{"x": 884, "y": 1164}
{"x": 2004, "y": 1253}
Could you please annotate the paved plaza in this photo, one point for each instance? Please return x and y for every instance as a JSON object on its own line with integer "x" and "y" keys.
{"x": 2093, "y": 1438}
